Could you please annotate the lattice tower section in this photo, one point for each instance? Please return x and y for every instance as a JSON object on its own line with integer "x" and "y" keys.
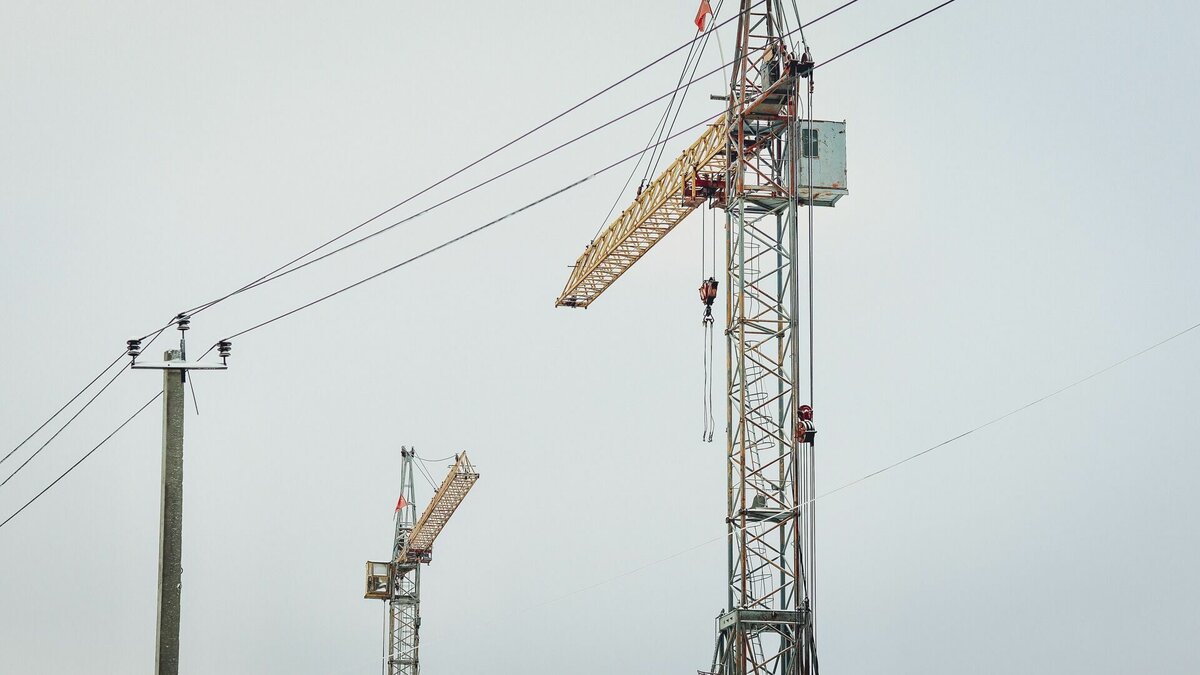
{"x": 767, "y": 628}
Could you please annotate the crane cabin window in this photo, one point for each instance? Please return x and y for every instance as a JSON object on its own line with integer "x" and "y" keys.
{"x": 808, "y": 143}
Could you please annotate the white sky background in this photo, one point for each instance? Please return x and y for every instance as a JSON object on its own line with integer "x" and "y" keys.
{"x": 1019, "y": 217}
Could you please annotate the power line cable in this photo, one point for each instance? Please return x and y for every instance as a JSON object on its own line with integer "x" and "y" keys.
{"x": 64, "y": 426}
{"x": 886, "y": 32}
{"x": 654, "y": 135}
{"x": 287, "y": 269}
{"x": 64, "y": 407}
{"x": 500, "y": 219}
{"x": 268, "y": 277}
{"x": 454, "y": 174}
{"x": 1008, "y": 414}
{"x": 877, "y": 472}
{"x": 81, "y": 459}
{"x": 77, "y": 413}
{"x": 652, "y": 166}
{"x": 454, "y": 240}
{"x": 462, "y": 193}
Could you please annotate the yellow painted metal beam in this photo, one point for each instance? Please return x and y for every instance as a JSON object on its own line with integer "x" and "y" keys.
{"x": 445, "y": 501}
{"x": 655, "y": 212}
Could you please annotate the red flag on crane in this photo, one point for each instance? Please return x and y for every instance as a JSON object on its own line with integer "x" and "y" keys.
{"x": 704, "y": 11}
{"x": 401, "y": 503}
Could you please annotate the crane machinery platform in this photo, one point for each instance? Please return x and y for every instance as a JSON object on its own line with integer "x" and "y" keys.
{"x": 398, "y": 581}
{"x": 762, "y": 161}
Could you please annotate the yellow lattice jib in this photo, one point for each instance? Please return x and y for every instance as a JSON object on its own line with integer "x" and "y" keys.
{"x": 656, "y": 211}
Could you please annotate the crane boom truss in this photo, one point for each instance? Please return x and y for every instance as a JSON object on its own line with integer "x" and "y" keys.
{"x": 452, "y": 491}
{"x": 662, "y": 205}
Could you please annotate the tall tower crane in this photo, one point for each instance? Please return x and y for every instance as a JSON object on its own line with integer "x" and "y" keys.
{"x": 760, "y": 163}
{"x": 398, "y": 581}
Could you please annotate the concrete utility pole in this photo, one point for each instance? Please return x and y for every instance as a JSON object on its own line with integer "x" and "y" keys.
{"x": 170, "y": 528}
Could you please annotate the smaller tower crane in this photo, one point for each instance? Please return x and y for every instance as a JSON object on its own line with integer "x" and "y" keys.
{"x": 399, "y": 580}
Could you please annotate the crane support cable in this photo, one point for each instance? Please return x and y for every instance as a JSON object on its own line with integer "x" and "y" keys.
{"x": 81, "y": 459}
{"x": 465, "y": 235}
{"x": 270, "y": 275}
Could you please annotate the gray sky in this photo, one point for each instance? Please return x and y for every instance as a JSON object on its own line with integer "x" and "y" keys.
{"x": 1019, "y": 217}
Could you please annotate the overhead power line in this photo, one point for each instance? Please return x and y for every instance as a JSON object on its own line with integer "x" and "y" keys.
{"x": 457, "y": 172}
{"x": 64, "y": 426}
{"x": 269, "y": 276}
{"x": 287, "y": 269}
{"x": 527, "y": 206}
{"x": 457, "y": 239}
{"x": 877, "y": 472}
{"x": 886, "y": 32}
{"x": 64, "y": 407}
{"x": 81, "y": 459}
{"x": 72, "y": 400}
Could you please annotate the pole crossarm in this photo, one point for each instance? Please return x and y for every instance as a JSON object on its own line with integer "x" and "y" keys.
{"x": 454, "y": 488}
{"x": 662, "y": 205}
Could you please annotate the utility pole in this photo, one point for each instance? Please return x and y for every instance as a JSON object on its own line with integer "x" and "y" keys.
{"x": 170, "y": 528}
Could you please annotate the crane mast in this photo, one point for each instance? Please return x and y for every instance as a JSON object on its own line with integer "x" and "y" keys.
{"x": 768, "y": 624}
{"x": 398, "y": 581}
{"x": 761, "y": 162}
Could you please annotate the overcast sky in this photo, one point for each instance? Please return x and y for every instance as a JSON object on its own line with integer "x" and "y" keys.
{"x": 1020, "y": 215}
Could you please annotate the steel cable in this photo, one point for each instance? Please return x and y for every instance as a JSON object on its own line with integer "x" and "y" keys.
{"x": 287, "y": 269}
{"x": 456, "y": 239}
{"x": 453, "y": 174}
{"x": 81, "y": 459}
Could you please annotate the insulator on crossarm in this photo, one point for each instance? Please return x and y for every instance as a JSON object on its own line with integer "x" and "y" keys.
{"x": 133, "y": 348}
{"x": 224, "y": 347}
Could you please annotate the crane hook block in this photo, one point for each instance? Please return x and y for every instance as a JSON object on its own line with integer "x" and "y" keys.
{"x": 708, "y": 291}
{"x": 708, "y": 294}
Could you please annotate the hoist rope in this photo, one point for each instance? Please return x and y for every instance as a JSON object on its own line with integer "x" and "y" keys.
{"x": 710, "y": 423}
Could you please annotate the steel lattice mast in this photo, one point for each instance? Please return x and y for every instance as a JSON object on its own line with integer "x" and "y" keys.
{"x": 404, "y": 601}
{"x": 399, "y": 580}
{"x": 768, "y": 624}
{"x": 760, "y": 162}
